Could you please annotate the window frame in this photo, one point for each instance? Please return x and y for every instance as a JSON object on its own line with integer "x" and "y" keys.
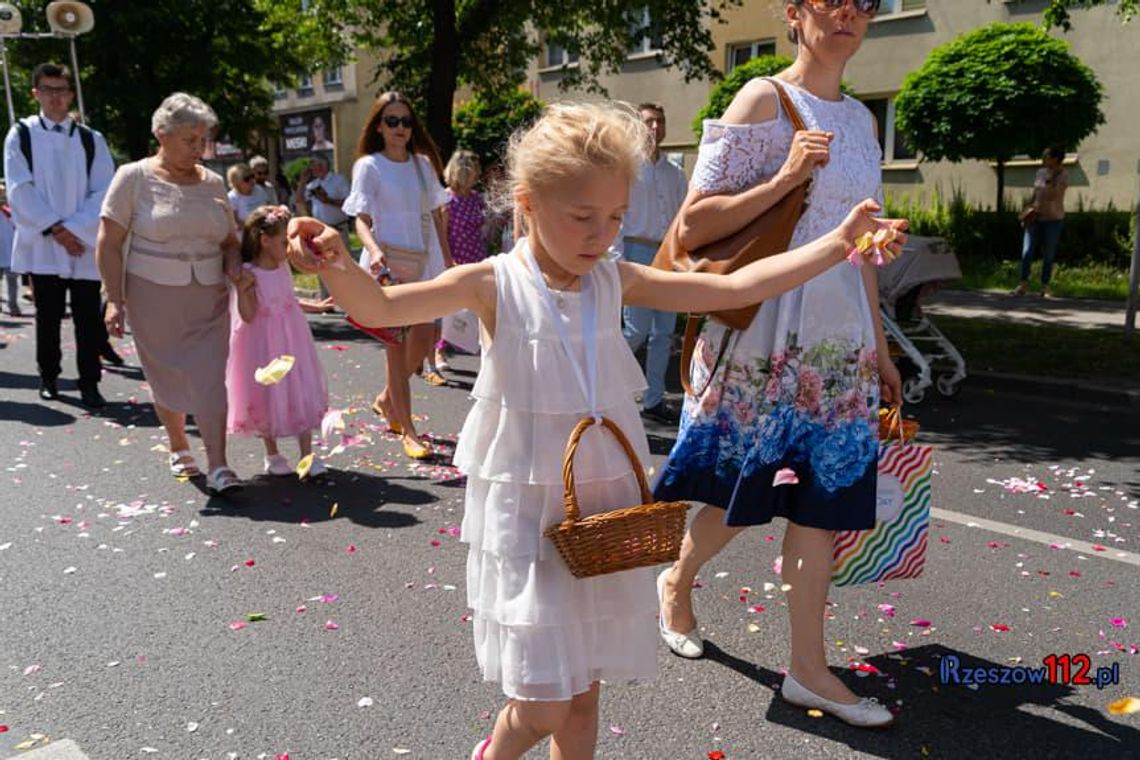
{"x": 754, "y": 47}
{"x": 305, "y": 85}
{"x": 891, "y": 136}
{"x": 646, "y": 46}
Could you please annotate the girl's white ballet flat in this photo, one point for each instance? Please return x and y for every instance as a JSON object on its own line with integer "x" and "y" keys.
{"x": 687, "y": 645}
{"x": 866, "y": 713}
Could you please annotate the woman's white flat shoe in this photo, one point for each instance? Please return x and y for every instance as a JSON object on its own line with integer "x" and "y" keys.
{"x": 223, "y": 480}
{"x": 687, "y": 645}
{"x": 866, "y": 713}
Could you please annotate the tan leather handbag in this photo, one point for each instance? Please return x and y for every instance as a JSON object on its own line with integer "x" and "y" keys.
{"x": 768, "y": 234}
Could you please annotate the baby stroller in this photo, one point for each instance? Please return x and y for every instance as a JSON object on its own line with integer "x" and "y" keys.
{"x": 921, "y": 347}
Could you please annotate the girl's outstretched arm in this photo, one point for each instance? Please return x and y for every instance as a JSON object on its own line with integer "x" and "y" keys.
{"x": 316, "y": 247}
{"x": 760, "y": 280}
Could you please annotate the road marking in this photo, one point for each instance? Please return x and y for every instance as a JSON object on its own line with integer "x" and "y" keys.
{"x": 1049, "y": 539}
{"x": 65, "y": 749}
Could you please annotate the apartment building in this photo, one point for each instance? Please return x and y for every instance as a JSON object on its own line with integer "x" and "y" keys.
{"x": 1104, "y": 168}
{"x": 324, "y": 113}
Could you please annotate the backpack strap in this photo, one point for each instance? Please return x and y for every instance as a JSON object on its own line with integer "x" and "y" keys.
{"x": 25, "y": 136}
{"x": 87, "y": 137}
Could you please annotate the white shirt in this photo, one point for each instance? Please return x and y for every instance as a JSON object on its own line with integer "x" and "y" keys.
{"x": 244, "y": 205}
{"x": 654, "y": 199}
{"x": 336, "y": 187}
{"x": 58, "y": 189}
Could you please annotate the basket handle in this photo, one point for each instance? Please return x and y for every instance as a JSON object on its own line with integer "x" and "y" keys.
{"x": 569, "y": 497}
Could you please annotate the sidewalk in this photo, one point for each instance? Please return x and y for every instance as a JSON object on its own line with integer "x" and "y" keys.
{"x": 1028, "y": 309}
{"x": 1033, "y": 310}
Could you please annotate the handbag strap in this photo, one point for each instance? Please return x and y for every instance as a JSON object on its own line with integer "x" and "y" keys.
{"x": 789, "y": 107}
{"x": 688, "y": 345}
{"x": 425, "y": 212}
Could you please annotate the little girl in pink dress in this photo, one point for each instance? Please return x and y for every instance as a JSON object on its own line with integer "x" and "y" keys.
{"x": 266, "y": 322}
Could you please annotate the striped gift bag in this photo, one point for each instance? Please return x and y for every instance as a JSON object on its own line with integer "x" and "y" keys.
{"x": 896, "y": 547}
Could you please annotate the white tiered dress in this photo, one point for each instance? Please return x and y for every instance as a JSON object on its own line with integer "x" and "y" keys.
{"x": 539, "y": 631}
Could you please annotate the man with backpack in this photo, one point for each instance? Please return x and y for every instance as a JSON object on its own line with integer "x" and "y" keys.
{"x": 57, "y": 173}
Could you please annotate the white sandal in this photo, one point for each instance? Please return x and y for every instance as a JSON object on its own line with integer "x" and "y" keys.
{"x": 223, "y": 479}
{"x": 688, "y": 645}
{"x": 180, "y": 469}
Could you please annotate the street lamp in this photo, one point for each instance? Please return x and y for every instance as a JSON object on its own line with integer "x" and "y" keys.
{"x": 66, "y": 19}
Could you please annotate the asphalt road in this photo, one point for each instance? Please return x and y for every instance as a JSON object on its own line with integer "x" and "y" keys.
{"x": 119, "y": 587}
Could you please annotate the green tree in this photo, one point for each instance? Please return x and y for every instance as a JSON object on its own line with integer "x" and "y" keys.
{"x": 1057, "y": 14}
{"x": 485, "y": 123}
{"x": 998, "y": 92}
{"x": 428, "y": 49}
{"x": 725, "y": 90}
{"x": 224, "y": 51}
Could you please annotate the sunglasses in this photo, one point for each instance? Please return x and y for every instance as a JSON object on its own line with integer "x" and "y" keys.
{"x": 47, "y": 89}
{"x": 862, "y": 7}
{"x": 247, "y": 178}
{"x": 407, "y": 122}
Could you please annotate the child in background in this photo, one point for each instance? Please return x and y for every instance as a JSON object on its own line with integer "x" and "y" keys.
{"x": 553, "y": 353}
{"x": 266, "y": 322}
{"x": 466, "y": 215}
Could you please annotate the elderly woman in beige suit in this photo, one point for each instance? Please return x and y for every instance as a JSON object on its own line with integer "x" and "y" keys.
{"x": 165, "y": 249}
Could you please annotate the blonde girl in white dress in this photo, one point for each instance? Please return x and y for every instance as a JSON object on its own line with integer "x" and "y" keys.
{"x": 553, "y": 352}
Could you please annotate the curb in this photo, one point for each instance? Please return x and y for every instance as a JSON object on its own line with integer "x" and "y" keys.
{"x": 1064, "y": 390}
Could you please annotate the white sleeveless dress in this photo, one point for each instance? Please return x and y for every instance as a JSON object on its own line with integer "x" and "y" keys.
{"x": 540, "y": 632}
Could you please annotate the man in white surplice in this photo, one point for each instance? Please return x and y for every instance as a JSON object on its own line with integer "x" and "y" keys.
{"x": 654, "y": 200}
{"x": 57, "y": 173}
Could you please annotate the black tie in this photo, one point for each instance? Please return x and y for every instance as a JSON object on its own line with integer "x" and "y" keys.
{"x": 57, "y": 128}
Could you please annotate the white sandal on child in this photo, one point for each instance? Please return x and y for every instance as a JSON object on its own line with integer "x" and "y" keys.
{"x": 181, "y": 469}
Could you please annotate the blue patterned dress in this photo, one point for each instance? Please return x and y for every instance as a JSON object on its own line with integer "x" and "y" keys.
{"x": 800, "y": 387}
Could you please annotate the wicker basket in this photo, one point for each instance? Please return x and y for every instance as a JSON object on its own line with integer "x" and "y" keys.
{"x": 622, "y": 539}
{"x": 892, "y": 426}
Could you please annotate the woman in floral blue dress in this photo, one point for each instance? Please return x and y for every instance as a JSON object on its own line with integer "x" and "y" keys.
{"x": 800, "y": 388}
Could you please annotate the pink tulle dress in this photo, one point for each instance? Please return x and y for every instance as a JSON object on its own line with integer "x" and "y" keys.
{"x": 298, "y": 402}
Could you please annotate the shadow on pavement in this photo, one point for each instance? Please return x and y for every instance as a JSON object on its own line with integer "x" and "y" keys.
{"x": 365, "y": 499}
{"x": 34, "y": 414}
{"x": 953, "y": 721}
{"x": 980, "y": 426}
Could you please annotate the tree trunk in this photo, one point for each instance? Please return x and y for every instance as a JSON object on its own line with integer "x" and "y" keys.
{"x": 444, "y": 75}
{"x": 1000, "y": 185}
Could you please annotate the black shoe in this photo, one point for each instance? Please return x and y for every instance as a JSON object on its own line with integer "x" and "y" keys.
{"x": 92, "y": 398}
{"x": 661, "y": 413}
{"x": 110, "y": 356}
{"x": 48, "y": 391}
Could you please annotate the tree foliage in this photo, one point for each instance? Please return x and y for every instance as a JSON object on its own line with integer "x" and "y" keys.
{"x": 429, "y": 49}
{"x": 998, "y": 92}
{"x": 1057, "y": 14}
{"x": 486, "y": 122}
{"x": 224, "y": 51}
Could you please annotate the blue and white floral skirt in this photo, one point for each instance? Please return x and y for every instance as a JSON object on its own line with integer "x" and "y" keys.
{"x": 812, "y": 410}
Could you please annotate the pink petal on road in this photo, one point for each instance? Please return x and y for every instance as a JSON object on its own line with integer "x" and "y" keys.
{"x": 921, "y": 623}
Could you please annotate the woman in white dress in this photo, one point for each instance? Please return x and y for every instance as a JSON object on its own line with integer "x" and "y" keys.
{"x": 398, "y": 203}
{"x": 800, "y": 388}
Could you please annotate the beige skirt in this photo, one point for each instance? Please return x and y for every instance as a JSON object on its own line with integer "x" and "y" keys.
{"x": 182, "y": 334}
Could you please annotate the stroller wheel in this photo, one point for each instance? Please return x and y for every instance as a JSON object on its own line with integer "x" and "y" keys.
{"x": 913, "y": 392}
{"x": 947, "y": 385}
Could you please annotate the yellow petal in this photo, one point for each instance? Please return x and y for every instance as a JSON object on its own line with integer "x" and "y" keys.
{"x": 303, "y": 466}
{"x": 272, "y": 373}
{"x": 814, "y": 713}
{"x": 753, "y": 628}
{"x": 332, "y": 512}
{"x": 1126, "y": 706}
{"x": 864, "y": 242}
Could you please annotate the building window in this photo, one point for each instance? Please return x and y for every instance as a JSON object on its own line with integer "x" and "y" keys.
{"x": 646, "y": 38}
{"x": 278, "y": 91}
{"x": 305, "y": 87}
{"x": 334, "y": 78}
{"x": 556, "y": 55}
{"x": 900, "y": 6}
{"x": 742, "y": 52}
{"x": 891, "y": 140}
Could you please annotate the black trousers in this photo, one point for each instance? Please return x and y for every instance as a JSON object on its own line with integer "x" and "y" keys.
{"x": 86, "y": 314}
